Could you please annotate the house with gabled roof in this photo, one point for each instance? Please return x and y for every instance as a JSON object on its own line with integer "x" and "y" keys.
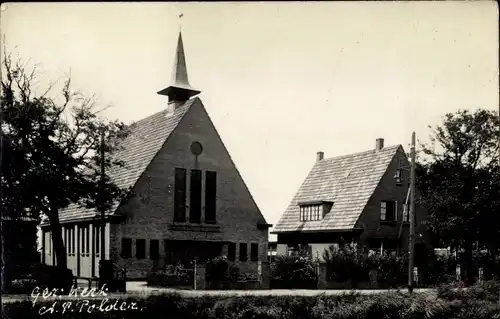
{"x": 356, "y": 198}
{"x": 188, "y": 200}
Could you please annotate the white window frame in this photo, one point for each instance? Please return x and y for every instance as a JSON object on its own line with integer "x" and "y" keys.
{"x": 311, "y": 212}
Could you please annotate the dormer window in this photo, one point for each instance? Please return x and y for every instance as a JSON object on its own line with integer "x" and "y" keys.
{"x": 313, "y": 211}
{"x": 310, "y": 212}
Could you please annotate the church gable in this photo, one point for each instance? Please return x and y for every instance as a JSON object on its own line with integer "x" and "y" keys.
{"x": 196, "y": 147}
{"x": 192, "y": 188}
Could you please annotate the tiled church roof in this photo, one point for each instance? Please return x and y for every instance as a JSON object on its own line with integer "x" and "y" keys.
{"x": 348, "y": 181}
{"x": 144, "y": 141}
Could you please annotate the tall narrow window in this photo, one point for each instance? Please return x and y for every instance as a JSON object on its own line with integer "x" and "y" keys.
{"x": 391, "y": 213}
{"x": 243, "y": 252}
{"x": 65, "y": 239}
{"x": 73, "y": 241}
{"x": 68, "y": 241}
{"x": 396, "y": 212}
{"x": 87, "y": 241}
{"x": 195, "y": 196}
{"x": 397, "y": 177}
{"x": 383, "y": 210}
{"x": 154, "y": 249}
{"x": 82, "y": 241}
{"x": 50, "y": 243}
{"x": 231, "y": 252}
{"x": 180, "y": 195}
{"x": 97, "y": 236}
{"x": 140, "y": 248}
{"x": 254, "y": 252}
{"x": 210, "y": 196}
{"x": 126, "y": 248}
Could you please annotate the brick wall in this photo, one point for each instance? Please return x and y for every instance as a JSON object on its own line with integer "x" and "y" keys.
{"x": 150, "y": 213}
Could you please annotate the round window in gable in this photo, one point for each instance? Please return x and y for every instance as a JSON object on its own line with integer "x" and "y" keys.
{"x": 196, "y": 148}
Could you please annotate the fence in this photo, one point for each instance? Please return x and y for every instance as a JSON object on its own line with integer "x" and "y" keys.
{"x": 295, "y": 272}
{"x": 203, "y": 275}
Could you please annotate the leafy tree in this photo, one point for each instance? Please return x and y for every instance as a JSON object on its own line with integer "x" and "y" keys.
{"x": 460, "y": 182}
{"x": 51, "y": 151}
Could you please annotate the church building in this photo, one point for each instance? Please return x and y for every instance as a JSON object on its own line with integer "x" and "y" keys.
{"x": 187, "y": 200}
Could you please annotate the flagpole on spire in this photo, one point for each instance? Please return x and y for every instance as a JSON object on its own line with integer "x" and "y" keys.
{"x": 180, "y": 21}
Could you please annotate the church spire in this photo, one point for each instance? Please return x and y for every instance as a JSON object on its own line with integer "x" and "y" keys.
{"x": 179, "y": 90}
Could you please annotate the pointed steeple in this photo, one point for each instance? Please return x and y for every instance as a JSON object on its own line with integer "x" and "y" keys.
{"x": 179, "y": 90}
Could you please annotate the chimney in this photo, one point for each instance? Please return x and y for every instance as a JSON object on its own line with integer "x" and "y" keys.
{"x": 379, "y": 144}
{"x": 319, "y": 156}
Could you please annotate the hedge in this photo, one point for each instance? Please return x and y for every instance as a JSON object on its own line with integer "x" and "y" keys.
{"x": 293, "y": 272}
{"x": 481, "y": 302}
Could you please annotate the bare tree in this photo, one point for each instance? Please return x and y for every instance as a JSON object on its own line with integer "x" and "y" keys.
{"x": 51, "y": 150}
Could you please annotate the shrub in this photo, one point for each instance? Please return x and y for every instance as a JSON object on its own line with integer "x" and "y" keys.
{"x": 346, "y": 264}
{"x": 294, "y": 268}
{"x": 221, "y": 269}
{"x": 391, "y": 269}
{"x": 171, "y": 276}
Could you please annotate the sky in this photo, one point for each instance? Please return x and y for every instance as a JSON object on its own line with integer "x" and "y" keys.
{"x": 281, "y": 81}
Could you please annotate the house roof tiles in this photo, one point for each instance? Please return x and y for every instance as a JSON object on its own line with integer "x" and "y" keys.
{"x": 348, "y": 181}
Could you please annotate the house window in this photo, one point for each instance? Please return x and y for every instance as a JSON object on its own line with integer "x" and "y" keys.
{"x": 82, "y": 237}
{"x": 85, "y": 240}
{"x": 210, "y": 196}
{"x": 231, "y": 252}
{"x": 73, "y": 246}
{"x": 65, "y": 239}
{"x": 254, "y": 252}
{"x": 126, "y": 248}
{"x": 97, "y": 237}
{"x": 140, "y": 248}
{"x": 195, "y": 196}
{"x": 50, "y": 243}
{"x": 397, "y": 177}
{"x": 311, "y": 212}
{"x": 243, "y": 252}
{"x": 154, "y": 249}
{"x": 180, "y": 195}
{"x": 388, "y": 211}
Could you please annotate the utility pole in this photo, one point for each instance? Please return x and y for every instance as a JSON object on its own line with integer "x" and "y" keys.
{"x": 411, "y": 216}
{"x": 102, "y": 208}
